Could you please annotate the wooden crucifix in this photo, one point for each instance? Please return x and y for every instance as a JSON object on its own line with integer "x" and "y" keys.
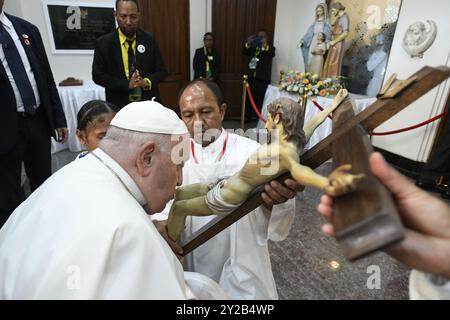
{"x": 357, "y": 229}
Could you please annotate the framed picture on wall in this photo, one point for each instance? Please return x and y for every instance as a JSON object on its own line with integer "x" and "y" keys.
{"x": 74, "y": 26}
{"x": 364, "y": 31}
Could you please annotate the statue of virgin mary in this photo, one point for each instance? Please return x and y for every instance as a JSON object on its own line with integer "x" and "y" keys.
{"x": 320, "y": 24}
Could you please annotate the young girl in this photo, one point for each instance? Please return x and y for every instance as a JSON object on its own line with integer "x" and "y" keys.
{"x": 93, "y": 120}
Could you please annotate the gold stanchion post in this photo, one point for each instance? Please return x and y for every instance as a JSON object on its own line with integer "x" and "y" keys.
{"x": 244, "y": 99}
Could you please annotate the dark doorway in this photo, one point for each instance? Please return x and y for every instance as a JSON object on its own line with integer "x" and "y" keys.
{"x": 232, "y": 22}
{"x": 169, "y": 21}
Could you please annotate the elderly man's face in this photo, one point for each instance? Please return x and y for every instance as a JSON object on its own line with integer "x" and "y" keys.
{"x": 127, "y": 16}
{"x": 201, "y": 113}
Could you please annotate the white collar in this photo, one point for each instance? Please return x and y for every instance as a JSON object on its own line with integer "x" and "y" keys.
{"x": 215, "y": 146}
{"x": 121, "y": 174}
{"x": 5, "y": 21}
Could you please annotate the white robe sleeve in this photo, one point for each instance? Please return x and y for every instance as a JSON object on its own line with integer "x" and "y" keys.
{"x": 424, "y": 286}
{"x": 273, "y": 225}
{"x": 281, "y": 220}
{"x": 163, "y": 215}
{"x": 134, "y": 263}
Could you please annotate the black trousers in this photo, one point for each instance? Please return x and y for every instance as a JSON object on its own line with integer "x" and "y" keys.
{"x": 258, "y": 89}
{"x": 32, "y": 149}
{"x": 439, "y": 163}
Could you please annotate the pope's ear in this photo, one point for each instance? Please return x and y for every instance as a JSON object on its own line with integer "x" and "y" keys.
{"x": 144, "y": 160}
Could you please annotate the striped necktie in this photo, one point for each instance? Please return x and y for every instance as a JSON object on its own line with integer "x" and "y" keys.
{"x": 131, "y": 58}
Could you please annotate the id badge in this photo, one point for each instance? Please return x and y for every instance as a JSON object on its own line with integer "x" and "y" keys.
{"x": 253, "y": 63}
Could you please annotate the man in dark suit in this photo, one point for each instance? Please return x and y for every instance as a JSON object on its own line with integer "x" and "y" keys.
{"x": 259, "y": 68}
{"x": 128, "y": 62}
{"x": 207, "y": 60}
{"x": 435, "y": 175}
{"x": 30, "y": 111}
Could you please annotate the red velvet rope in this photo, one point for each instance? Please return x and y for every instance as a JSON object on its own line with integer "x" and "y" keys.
{"x": 439, "y": 116}
{"x": 409, "y": 128}
{"x": 320, "y": 107}
{"x": 253, "y": 104}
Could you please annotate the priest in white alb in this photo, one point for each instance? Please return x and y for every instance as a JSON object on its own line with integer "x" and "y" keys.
{"x": 86, "y": 234}
{"x": 238, "y": 257}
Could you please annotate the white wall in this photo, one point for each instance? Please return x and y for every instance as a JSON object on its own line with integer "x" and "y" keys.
{"x": 63, "y": 66}
{"x": 200, "y": 12}
{"x": 416, "y": 144}
{"x": 13, "y": 7}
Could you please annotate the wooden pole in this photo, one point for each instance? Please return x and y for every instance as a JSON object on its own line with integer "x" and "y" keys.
{"x": 366, "y": 219}
{"x": 244, "y": 100}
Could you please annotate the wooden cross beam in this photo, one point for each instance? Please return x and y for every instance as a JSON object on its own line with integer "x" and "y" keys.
{"x": 366, "y": 219}
{"x": 383, "y": 109}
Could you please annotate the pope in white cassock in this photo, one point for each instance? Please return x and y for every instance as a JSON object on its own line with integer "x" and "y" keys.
{"x": 85, "y": 233}
{"x": 238, "y": 257}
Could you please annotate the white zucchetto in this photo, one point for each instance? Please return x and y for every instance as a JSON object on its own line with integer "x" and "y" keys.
{"x": 150, "y": 117}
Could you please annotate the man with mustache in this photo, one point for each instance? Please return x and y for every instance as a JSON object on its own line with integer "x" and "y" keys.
{"x": 237, "y": 258}
{"x": 128, "y": 62}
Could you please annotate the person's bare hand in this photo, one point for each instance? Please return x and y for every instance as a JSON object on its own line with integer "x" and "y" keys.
{"x": 426, "y": 246}
{"x": 176, "y": 248}
{"x": 63, "y": 134}
{"x": 276, "y": 193}
{"x": 136, "y": 81}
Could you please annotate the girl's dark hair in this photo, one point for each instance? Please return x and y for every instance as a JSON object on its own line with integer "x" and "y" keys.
{"x": 91, "y": 110}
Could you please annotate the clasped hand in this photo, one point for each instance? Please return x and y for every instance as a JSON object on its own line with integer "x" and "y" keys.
{"x": 136, "y": 81}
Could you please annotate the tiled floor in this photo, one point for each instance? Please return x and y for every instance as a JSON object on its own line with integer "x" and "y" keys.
{"x": 304, "y": 265}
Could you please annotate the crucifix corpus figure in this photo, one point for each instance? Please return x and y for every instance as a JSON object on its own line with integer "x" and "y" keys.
{"x": 281, "y": 155}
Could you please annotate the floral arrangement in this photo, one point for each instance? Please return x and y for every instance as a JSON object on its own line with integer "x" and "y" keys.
{"x": 307, "y": 84}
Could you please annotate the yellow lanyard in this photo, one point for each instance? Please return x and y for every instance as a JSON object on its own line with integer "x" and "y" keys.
{"x": 208, "y": 66}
